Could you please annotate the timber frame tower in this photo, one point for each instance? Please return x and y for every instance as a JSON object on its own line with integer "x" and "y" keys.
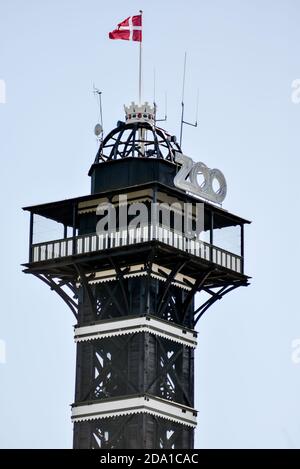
{"x": 132, "y": 290}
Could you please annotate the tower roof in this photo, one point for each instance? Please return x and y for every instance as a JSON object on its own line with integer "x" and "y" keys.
{"x": 138, "y": 136}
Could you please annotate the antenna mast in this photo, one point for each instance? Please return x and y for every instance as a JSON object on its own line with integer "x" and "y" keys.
{"x": 182, "y": 104}
{"x": 99, "y": 127}
{"x": 140, "y": 64}
{"x": 166, "y": 110}
{"x": 154, "y": 100}
{"x": 154, "y": 93}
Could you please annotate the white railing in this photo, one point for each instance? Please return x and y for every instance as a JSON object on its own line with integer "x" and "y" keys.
{"x": 97, "y": 242}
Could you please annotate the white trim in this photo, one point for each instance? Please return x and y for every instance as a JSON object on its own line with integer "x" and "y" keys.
{"x": 134, "y": 325}
{"x": 135, "y": 405}
{"x": 138, "y": 270}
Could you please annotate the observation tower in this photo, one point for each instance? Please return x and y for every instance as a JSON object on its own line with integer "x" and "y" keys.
{"x": 130, "y": 259}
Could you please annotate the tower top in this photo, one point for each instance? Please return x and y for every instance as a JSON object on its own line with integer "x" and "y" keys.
{"x": 139, "y": 113}
{"x": 138, "y": 136}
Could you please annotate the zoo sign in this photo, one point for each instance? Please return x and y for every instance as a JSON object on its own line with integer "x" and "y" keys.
{"x": 187, "y": 179}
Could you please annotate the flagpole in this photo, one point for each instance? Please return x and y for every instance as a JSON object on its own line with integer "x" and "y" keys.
{"x": 140, "y": 63}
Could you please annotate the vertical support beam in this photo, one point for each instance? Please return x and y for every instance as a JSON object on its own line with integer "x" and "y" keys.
{"x": 31, "y": 235}
{"x": 242, "y": 246}
{"x": 211, "y": 228}
{"x": 109, "y": 238}
{"x": 154, "y": 211}
{"x": 211, "y": 233}
{"x": 65, "y": 231}
{"x": 74, "y": 229}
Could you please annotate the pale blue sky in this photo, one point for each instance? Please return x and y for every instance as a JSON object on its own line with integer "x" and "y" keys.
{"x": 243, "y": 56}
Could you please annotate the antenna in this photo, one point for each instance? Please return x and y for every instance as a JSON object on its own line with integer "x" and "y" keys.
{"x": 197, "y": 108}
{"x": 182, "y": 104}
{"x": 166, "y": 105}
{"x": 154, "y": 93}
{"x": 98, "y": 131}
{"x": 154, "y": 100}
{"x": 154, "y": 85}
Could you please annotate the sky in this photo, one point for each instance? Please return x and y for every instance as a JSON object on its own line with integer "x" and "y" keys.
{"x": 243, "y": 57}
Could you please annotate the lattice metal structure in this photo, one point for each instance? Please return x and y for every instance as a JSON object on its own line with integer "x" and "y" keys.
{"x": 132, "y": 293}
{"x": 139, "y": 139}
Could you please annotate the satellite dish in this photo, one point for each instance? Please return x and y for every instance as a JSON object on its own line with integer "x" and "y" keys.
{"x": 98, "y": 130}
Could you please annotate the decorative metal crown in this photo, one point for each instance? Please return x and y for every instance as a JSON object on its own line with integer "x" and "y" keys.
{"x": 139, "y": 113}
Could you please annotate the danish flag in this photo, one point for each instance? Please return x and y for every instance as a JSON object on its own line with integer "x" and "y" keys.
{"x": 129, "y": 30}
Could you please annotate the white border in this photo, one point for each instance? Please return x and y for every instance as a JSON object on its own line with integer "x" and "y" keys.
{"x": 138, "y": 270}
{"x": 135, "y": 405}
{"x": 135, "y": 325}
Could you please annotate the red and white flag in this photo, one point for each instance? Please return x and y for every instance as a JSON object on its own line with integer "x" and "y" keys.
{"x": 129, "y": 30}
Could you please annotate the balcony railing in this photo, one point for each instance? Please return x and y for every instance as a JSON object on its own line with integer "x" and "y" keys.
{"x": 94, "y": 242}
